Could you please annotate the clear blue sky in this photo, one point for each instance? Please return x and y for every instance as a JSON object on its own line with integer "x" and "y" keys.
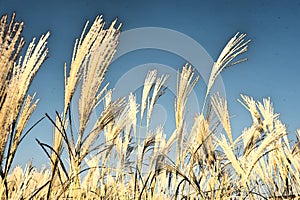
{"x": 273, "y": 68}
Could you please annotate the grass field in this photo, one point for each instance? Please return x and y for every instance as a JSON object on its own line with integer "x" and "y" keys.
{"x": 114, "y": 158}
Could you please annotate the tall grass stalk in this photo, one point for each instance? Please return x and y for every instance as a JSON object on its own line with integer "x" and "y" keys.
{"x": 16, "y": 75}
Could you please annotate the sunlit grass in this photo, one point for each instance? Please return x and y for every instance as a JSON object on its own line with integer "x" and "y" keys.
{"x": 116, "y": 159}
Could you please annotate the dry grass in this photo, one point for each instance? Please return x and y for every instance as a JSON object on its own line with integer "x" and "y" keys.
{"x": 114, "y": 158}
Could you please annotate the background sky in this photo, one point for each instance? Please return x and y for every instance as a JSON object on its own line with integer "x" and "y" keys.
{"x": 272, "y": 69}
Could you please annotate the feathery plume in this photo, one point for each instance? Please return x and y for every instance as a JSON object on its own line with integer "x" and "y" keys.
{"x": 26, "y": 111}
{"x": 94, "y": 68}
{"x": 82, "y": 53}
{"x": 185, "y": 85}
{"x": 157, "y": 92}
{"x": 133, "y": 112}
{"x": 277, "y": 133}
{"x": 233, "y": 48}
{"x": 11, "y": 44}
{"x": 219, "y": 105}
{"x": 267, "y": 111}
{"x": 110, "y": 113}
{"x": 231, "y": 157}
{"x": 149, "y": 80}
{"x": 17, "y": 84}
{"x": 250, "y": 105}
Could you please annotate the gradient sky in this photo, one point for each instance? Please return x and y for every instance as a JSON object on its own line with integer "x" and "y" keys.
{"x": 272, "y": 69}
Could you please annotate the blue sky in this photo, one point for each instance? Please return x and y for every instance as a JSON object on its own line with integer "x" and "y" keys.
{"x": 272, "y": 69}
